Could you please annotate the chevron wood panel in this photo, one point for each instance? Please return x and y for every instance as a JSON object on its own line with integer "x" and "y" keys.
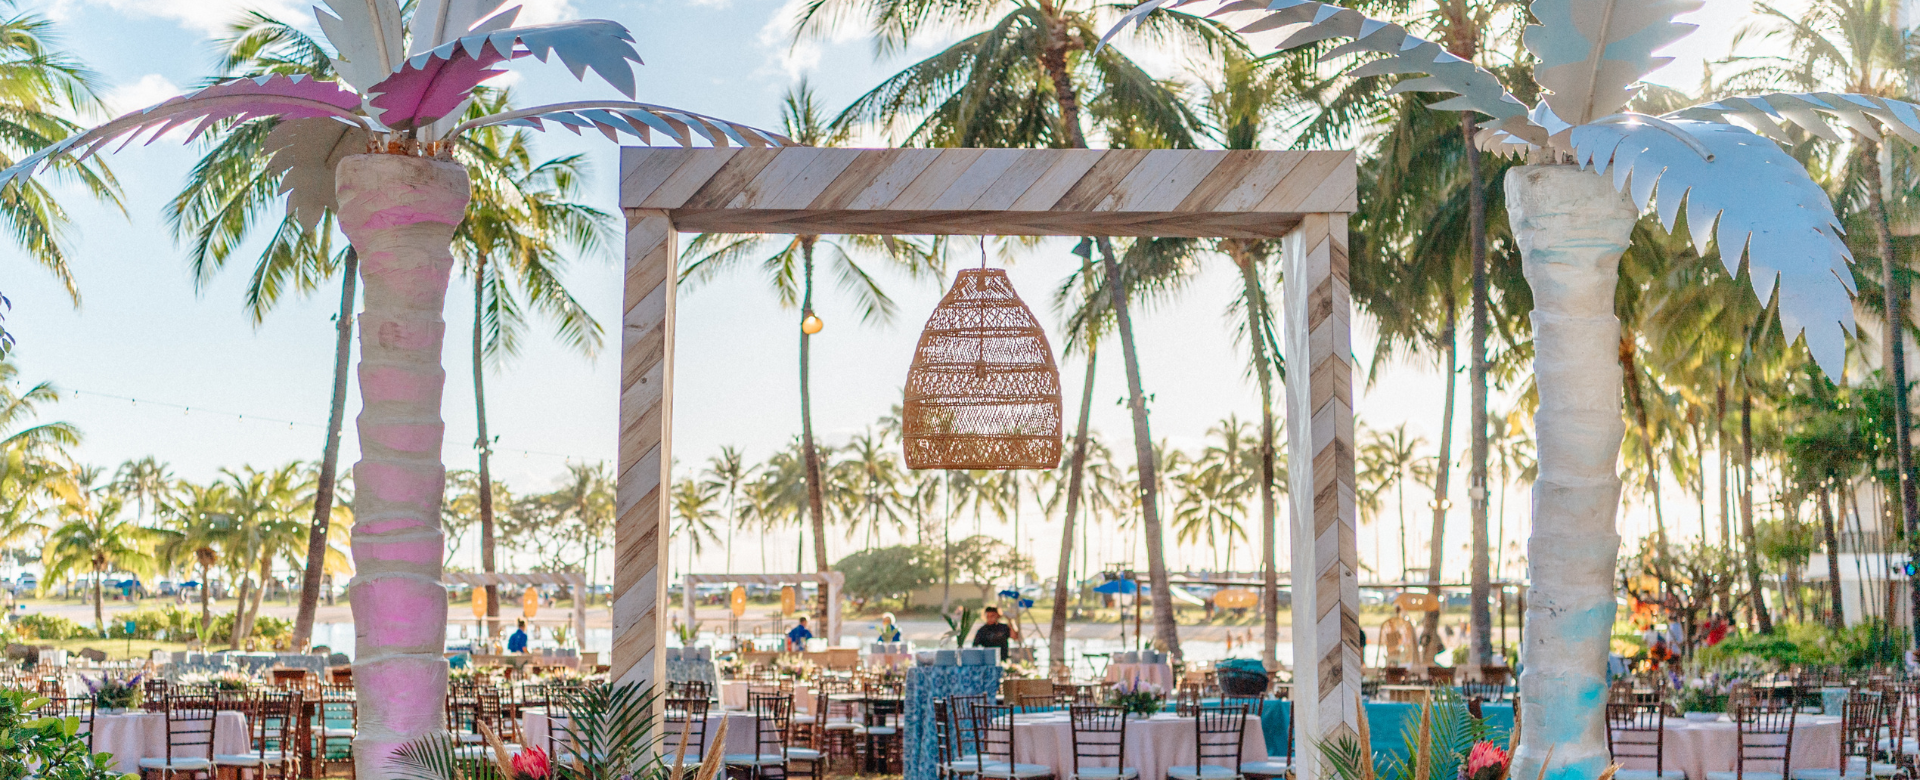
{"x": 646, "y": 415}
{"x": 1044, "y": 192}
{"x": 1326, "y": 590}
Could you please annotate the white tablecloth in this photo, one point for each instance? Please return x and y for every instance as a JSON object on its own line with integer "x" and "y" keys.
{"x": 1152, "y": 745}
{"x": 1698, "y": 748}
{"x": 1158, "y": 674}
{"x": 535, "y": 725}
{"x": 139, "y": 735}
{"x": 733, "y": 696}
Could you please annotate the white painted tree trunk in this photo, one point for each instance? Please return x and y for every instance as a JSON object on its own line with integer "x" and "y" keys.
{"x": 1572, "y": 227}
{"x": 400, "y": 213}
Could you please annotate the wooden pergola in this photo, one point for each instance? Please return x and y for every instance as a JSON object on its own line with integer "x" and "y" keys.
{"x": 1302, "y": 197}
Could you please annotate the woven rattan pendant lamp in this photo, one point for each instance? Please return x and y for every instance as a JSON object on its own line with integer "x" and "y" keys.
{"x": 983, "y": 392}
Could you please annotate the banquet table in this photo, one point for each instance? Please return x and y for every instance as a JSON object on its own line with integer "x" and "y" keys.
{"x": 733, "y": 696}
{"x": 1153, "y": 744}
{"x": 1158, "y": 674}
{"x": 136, "y": 735}
{"x": 1698, "y": 748}
{"x": 536, "y": 725}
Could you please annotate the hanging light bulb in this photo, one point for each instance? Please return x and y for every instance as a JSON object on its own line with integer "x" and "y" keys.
{"x": 811, "y": 324}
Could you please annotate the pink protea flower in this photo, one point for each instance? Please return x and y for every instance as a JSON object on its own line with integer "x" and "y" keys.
{"x": 1487, "y": 761}
{"x": 532, "y": 764}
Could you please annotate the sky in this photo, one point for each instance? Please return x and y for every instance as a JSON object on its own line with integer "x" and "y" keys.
{"x": 151, "y": 363}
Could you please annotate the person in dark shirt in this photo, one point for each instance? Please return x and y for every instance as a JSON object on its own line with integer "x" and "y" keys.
{"x": 995, "y": 633}
{"x": 517, "y": 643}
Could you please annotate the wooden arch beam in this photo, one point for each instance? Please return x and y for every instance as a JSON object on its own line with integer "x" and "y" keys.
{"x": 1303, "y": 197}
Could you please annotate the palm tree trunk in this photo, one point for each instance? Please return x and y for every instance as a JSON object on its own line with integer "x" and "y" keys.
{"x": 1760, "y": 615}
{"x": 241, "y": 599}
{"x": 483, "y": 447}
{"x": 816, "y": 509}
{"x": 401, "y": 212}
{"x": 329, "y": 457}
{"x": 1248, "y": 257}
{"x": 1571, "y": 227}
{"x": 1480, "y": 617}
{"x": 99, "y": 608}
{"x": 1893, "y": 288}
{"x": 1838, "y": 618}
{"x": 1436, "y": 543}
{"x": 206, "y": 607}
{"x": 259, "y": 595}
{"x": 1166, "y": 630}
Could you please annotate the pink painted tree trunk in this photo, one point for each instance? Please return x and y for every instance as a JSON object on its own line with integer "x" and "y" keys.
{"x": 400, "y": 213}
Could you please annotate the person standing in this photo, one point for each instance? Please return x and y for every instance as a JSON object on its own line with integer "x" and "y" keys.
{"x": 888, "y": 631}
{"x": 797, "y": 638}
{"x": 517, "y": 643}
{"x": 994, "y": 633}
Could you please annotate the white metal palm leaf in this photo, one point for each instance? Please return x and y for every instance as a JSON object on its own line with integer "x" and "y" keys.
{"x": 385, "y": 96}
{"x": 1742, "y": 192}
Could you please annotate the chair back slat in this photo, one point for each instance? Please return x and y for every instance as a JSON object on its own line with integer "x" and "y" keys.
{"x": 1637, "y": 730}
{"x": 1220, "y": 735}
{"x": 1099, "y": 737}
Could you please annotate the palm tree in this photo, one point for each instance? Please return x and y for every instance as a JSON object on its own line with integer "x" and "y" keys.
{"x": 202, "y": 520}
{"x": 693, "y": 504}
{"x": 94, "y": 538}
{"x": 146, "y": 481}
{"x": 266, "y": 527}
{"x": 789, "y": 265}
{"x": 405, "y": 108}
{"x": 873, "y": 478}
{"x": 1571, "y": 227}
{"x": 728, "y": 474}
{"x": 1022, "y": 83}
{"x": 41, "y": 86}
{"x": 1394, "y": 455}
{"x": 1239, "y": 108}
{"x": 1856, "y": 47}
{"x": 512, "y": 243}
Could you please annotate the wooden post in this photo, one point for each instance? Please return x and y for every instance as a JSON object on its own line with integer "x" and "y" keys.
{"x": 646, "y": 419}
{"x": 1326, "y": 589}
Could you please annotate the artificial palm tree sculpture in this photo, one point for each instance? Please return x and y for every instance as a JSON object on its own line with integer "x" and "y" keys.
{"x": 376, "y": 147}
{"x": 1740, "y": 190}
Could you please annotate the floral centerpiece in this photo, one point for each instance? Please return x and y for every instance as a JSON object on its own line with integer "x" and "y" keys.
{"x": 231, "y": 680}
{"x": 1139, "y": 698}
{"x": 113, "y": 694}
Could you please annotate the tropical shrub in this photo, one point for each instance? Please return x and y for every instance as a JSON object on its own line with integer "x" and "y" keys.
{"x": 46, "y": 748}
{"x": 51, "y": 628}
{"x": 612, "y": 738}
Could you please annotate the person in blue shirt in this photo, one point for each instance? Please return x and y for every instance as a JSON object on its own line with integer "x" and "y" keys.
{"x": 517, "y": 643}
{"x": 888, "y": 631}
{"x": 797, "y": 638}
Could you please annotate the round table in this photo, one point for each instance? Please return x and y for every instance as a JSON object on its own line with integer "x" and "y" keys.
{"x": 1153, "y": 744}
{"x": 535, "y": 725}
{"x": 1697, "y": 747}
{"x": 136, "y": 735}
{"x": 733, "y": 696}
{"x": 1157, "y": 674}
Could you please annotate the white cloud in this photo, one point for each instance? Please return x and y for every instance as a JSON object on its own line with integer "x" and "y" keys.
{"x": 148, "y": 90}
{"x": 796, "y": 58}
